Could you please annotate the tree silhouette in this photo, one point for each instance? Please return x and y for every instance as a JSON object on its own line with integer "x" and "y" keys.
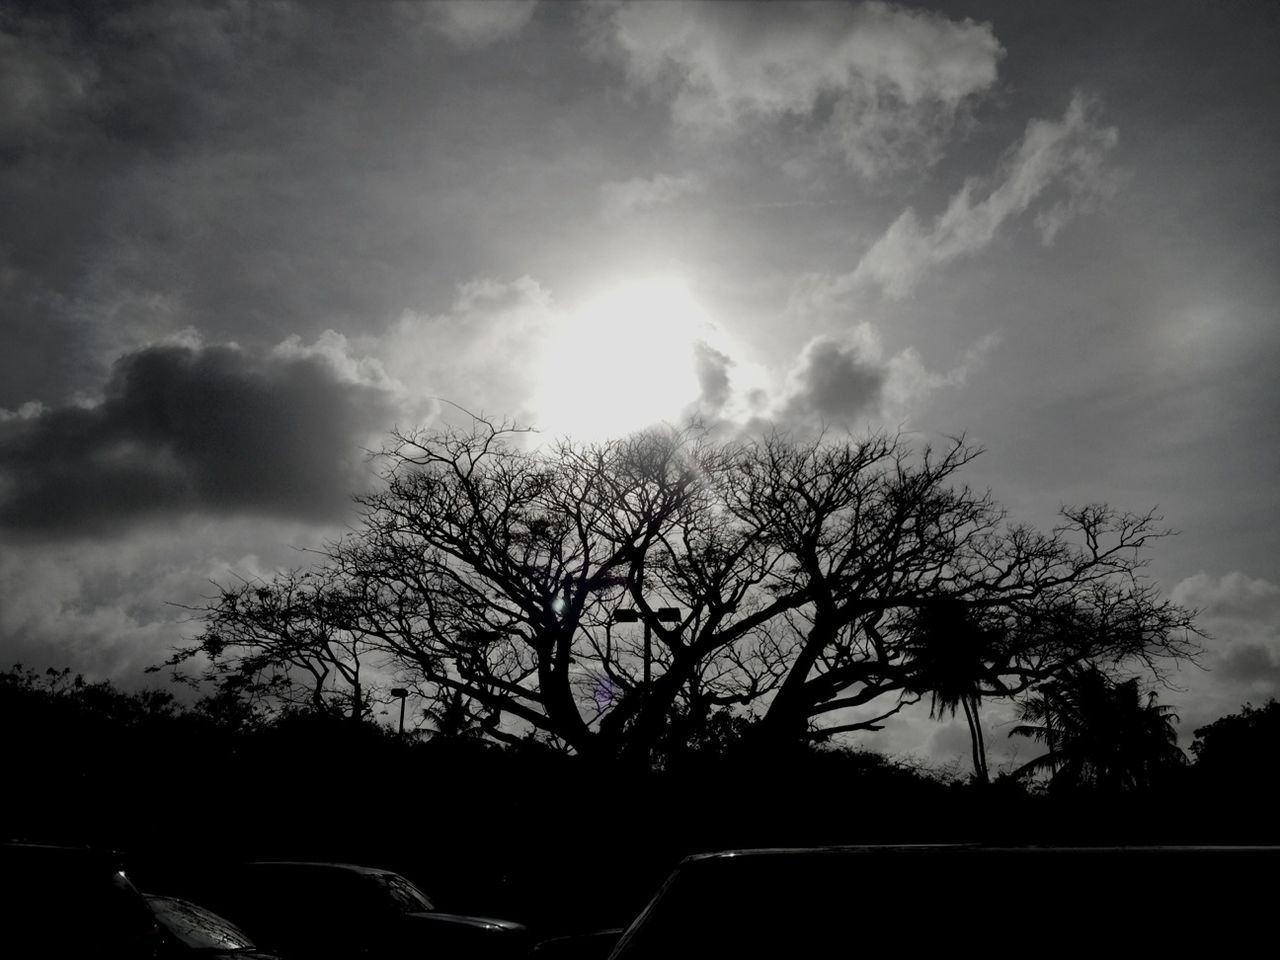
{"x": 949, "y": 652}
{"x": 1103, "y": 734}
{"x": 1241, "y": 748}
{"x": 810, "y": 579}
{"x": 867, "y": 532}
{"x": 284, "y": 643}
{"x": 456, "y": 717}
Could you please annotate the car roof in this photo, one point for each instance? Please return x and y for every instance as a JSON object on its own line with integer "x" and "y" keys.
{"x": 812, "y": 851}
{"x": 917, "y": 848}
{"x": 36, "y": 848}
{"x": 320, "y": 865}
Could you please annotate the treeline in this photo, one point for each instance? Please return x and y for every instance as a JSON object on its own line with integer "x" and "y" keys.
{"x": 523, "y": 831}
{"x": 526, "y": 831}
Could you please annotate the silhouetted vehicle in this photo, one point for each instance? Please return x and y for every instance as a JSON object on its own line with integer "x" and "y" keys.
{"x": 188, "y": 930}
{"x": 578, "y": 946}
{"x": 320, "y": 910}
{"x": 871, "y": 901}
{"x": 71, "y": 902}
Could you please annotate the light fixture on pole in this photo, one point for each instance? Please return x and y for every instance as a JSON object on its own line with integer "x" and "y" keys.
{"x": 631, "y": 615}
{"x": 402, "y": 693}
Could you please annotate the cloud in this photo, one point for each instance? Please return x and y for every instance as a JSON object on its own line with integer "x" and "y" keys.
{"x": 833, "y": 381}
{"x": 483, "y": 353}
{"x": 113, "y": 607}
{"x": 250, "y": 170}
{"x": 882, "y": 85}
{"x": 332, "y": 351}
{"x": 909, "y": 381}
{"x": 1251, "y": 664}
{"x": 1231, "y": 597}
{"x": 1241, "y": 616}
{"x": 196, "y": 429}
{"x": 622, "y": 198}
{"x": 712, "y": 369}
{"x": 39, "y": 90}
{"x": 1062, "y": 161}
{"x": 475, "y": 23}
{"x": 846, "y": 378}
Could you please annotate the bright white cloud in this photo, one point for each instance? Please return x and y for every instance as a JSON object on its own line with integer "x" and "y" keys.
{"x": 1061, "y": 163}
{"x": 479, "y": 353}
{"x": 884, "y": 84}
{"x": 334, "y": 350}
{"x": 622, "y": 198}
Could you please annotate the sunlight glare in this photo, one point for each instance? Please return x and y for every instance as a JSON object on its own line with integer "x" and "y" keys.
{"x": 623, "y": 361}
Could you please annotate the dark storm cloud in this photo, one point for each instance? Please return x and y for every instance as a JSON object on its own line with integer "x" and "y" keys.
{"x": 190, "y": 429}
{"x": 834, "y": 381}
{"x": 712, "y": 369}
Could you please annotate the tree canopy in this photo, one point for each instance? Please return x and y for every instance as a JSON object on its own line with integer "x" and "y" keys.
{"x": 796, "y": 587}
{"x": 1241, "y": 747}
{"x": 1101, "y": 734}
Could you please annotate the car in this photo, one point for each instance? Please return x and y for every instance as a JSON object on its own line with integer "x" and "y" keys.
{"x": 876, "y": 900}
{"x": 70, "y": 901}
{"x": 592, "y": 945}
{"x": 316, "y": 909}
{"x": 189, "y": 930}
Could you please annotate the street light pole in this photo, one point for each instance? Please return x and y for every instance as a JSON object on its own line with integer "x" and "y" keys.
{"x": 663, "y": 615}
{"x": 631, "y": 615}
{"x": 402, "y": 693}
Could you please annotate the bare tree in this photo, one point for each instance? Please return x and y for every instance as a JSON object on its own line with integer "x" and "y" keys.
{"x": 284, "y": 642}
{"x": 491, "y": 574}
{"x": 496, "y": 572}
{"x": 869, "y": 535}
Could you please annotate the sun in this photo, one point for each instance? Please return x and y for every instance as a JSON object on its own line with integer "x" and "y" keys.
{"x": 623, "y": 361}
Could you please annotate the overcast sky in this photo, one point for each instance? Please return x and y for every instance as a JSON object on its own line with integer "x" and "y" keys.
{"x": 239, "y": 241}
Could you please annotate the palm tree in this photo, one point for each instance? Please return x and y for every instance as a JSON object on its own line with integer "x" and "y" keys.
{"x": 452, "y": 713}
{"x": 1100, "y": 733}
{"x": 949, "y": 654}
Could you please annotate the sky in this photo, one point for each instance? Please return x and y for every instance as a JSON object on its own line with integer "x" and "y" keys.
{"x": 241, "y": 241}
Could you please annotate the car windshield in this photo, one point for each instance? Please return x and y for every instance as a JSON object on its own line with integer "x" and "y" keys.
{"x": 400, "y": 893}
{"x": 198, "y": 928}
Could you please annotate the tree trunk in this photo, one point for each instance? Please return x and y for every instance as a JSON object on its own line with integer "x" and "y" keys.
{"x": 562, "y": 712}
{"x": 982, "y": 744}
{"x": 787, "y": 719}
{"x": 975, "y": 739}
